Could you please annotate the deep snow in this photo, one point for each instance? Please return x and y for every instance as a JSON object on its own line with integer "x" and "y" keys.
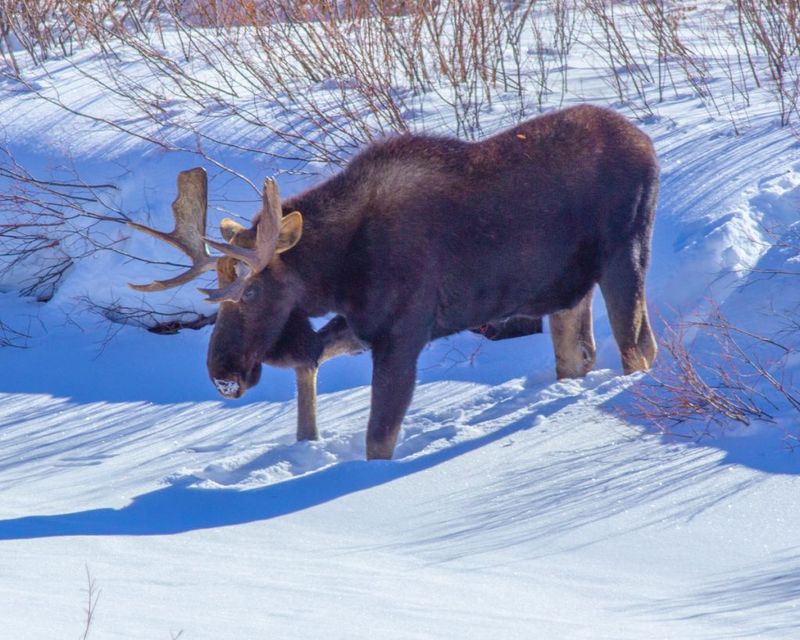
{"x": 516, "y": 506}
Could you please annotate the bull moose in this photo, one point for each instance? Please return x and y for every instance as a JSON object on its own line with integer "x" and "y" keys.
{"x": 421, "y": 237}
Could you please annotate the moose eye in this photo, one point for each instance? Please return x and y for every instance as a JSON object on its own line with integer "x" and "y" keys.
{"x": 249, "y": 294}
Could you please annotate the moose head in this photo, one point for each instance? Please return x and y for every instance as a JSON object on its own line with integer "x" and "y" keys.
{"x": 256, "y": 293}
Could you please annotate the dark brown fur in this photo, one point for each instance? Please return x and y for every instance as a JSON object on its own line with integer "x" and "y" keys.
{"x": 421, "y": 237}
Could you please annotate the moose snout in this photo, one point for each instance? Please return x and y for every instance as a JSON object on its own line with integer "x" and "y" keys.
{"x": 233, "y": 385}
{"x": 229, "y": 388}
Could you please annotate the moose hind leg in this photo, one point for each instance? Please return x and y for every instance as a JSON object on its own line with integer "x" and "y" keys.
{"x": 622, "y": 284}
{"x": 647, "y": 340}
{"x": 573, "y": 339}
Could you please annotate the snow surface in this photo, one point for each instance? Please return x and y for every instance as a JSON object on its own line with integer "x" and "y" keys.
{"x": 515, "y": 507}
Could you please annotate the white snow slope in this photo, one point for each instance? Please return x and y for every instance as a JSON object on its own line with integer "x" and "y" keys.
{"x": 516, "y": 506}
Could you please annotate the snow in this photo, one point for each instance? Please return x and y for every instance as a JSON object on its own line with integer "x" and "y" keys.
{"x": 516, "y": 506}
{"x": 508, "y": 509}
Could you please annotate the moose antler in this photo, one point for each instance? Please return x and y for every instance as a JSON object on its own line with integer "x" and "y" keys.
{"x": 189, "y": 211}
{"x": 189, "y": 235}
{"x": 258, "y": 257}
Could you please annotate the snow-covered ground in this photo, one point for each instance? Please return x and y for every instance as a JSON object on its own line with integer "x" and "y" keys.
{"x": 512, "y": 511}
{"x": 516, "y": 506}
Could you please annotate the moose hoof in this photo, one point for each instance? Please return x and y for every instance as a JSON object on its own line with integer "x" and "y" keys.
{"x": 379, "y": 450}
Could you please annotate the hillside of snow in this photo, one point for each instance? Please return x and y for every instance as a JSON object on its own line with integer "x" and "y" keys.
{"x": 516, "y": 506}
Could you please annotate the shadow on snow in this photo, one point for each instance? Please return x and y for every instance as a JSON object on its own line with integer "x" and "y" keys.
{"x": 592, "y": 483}
{"x": 179, "y": 507}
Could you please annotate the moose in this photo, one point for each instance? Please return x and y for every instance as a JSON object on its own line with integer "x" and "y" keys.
{"x": 299, "y": 348}
{"x": 420, "y": 237}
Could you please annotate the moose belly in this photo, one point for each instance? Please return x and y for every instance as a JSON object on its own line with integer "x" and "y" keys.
{"x": 536, "y": 291}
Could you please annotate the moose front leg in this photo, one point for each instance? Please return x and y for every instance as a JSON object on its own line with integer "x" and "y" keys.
{"x": 394, "y": 370}
{"x": 337, "y": 339}
{"x": 306, "y": 381}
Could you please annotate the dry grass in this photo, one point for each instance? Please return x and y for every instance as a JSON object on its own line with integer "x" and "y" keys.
{"x": 730, "y": 375}
{"x": 330, "y": 76}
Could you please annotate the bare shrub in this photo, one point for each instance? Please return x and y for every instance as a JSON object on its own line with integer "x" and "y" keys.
{"x": 773, "y": 28}
{"x": 628, "y": 66}
{"x": 355, "y": 79}
{"x": 93, "y": 592}
{"x": 11, "y": 337}
{"x": 59, "y": 27}
{"x": 683, "y": 389}
{"x": 325, "y": 77}
{"x": 92, "y": 597}
{"x": 552, "y": 30}
{"x": 731, "y": 375}
{"x": 319, "y": 76}
{"x": 158, "y": 321}
{"x": 49, "y": 224}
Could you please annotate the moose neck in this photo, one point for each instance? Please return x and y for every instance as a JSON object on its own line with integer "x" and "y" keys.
{"x": 319, "y": 256}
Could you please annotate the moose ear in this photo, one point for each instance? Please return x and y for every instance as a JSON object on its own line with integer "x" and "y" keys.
{"x": 291, "y": 230}
{"x": 229, "y": 228}
{"x": 236, "y": 234}
{"x": 226, "y": 271}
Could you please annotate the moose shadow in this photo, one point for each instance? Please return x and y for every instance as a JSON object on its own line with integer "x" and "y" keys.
{"x": 181, "y": 507}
